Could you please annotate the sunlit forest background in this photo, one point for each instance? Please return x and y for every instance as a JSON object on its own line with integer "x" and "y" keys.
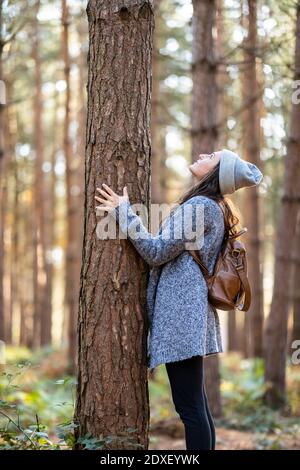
{"x": 249, "y": 53}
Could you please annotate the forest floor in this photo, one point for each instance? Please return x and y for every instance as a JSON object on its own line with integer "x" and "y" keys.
{"x": 247, "y": 423}
{"x": 230, "y": 439}
{"x": 37, "y": 393}
{"x": 226, "y": 439}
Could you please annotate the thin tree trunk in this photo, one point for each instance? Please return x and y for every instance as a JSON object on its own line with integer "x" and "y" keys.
{"x": 112, "y": 393}
{"x": 156, "y": 156}
{"x": 232, "y": 331}
{"x": 72, "y": 248}
{"x": 276, "y": 331}
{"x": 78, "y": 196}
{"x": 15, "y": 252}
{"x": 2, "y": 183}
{"x": 222, "y": 79}
{"x": 9, "y": 152}
{"x": 41, "y": 333}
{"x": 222, "y": 75}
{"x": 50, "y": 219}
{"x": 251, "y": 150}
{"x": 205, "y": 131}
{"x": 204, "y": 70}
{"x": 296, "y": 290}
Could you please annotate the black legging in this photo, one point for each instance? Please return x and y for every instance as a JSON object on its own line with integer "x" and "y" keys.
{"x": 188, "y": 392}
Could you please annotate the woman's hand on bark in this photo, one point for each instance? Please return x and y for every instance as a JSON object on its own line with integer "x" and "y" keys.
{"x": 110, "y": 199}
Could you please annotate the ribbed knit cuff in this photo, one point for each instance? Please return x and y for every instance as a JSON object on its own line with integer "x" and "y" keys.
{"x": 120, "y": 214}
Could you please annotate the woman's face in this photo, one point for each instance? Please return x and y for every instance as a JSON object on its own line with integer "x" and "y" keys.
{"x": 205, "y": 164}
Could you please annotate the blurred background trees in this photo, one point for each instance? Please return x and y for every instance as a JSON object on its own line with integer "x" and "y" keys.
{"x": 223, "y": 75}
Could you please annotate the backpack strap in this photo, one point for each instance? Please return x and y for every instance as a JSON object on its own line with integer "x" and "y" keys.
{"x": 195, "y": 255}
{"x": 241, "y": 272}
{"x": 241, "y": 232}
{"x": 246, "y": 285}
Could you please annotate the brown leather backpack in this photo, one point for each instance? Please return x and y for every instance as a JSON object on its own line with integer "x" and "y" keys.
{"x": 228, "y": 286}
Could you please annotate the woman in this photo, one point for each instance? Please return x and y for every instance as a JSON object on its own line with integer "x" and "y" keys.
{"x": 183, "y": 326}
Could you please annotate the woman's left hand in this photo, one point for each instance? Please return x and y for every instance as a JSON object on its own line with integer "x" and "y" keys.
{"x": 112, "y": 200}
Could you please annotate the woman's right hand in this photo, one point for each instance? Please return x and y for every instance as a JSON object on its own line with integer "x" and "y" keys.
{"x": 112, "y": 200}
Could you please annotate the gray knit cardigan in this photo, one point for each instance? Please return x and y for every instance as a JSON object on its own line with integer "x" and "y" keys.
{"x": 182, "y": 323}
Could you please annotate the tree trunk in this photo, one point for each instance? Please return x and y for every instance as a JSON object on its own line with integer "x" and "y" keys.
{"x": 276, "y": 331}
{"x": 232, "y": 331}
{"x": 15, "y": 252}
{"x": 71, "y": 293}
{"x": 222, "y": 113}
{"x": 296, "y": 290}
{"x": 112, "y": 393}
{"x": 222, "y": 76}
{"x": 251, "y": 150}
{"x": 50, "y": 215}
{"x": 41, "y": 332}
{"x": 2, "y": 183}
{"x": 205, "y": 131}
{"x": 78, "y": 197}
{"x": 204, "y": 70}
{"x": 212, "y": 384}
{"x": 10, "y": 141}
{"x": 156, "y": 156}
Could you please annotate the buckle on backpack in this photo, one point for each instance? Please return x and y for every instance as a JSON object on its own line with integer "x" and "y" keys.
{"x": 236, "y": 250}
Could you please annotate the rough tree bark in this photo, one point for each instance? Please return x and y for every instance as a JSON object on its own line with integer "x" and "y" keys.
{"x": 112, "y": 393}
{"x": 276, "y": 330}
{"x": 205, "y": 131}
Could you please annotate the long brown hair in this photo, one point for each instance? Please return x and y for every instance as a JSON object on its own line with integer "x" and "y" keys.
{"x": 209, "y": 187}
